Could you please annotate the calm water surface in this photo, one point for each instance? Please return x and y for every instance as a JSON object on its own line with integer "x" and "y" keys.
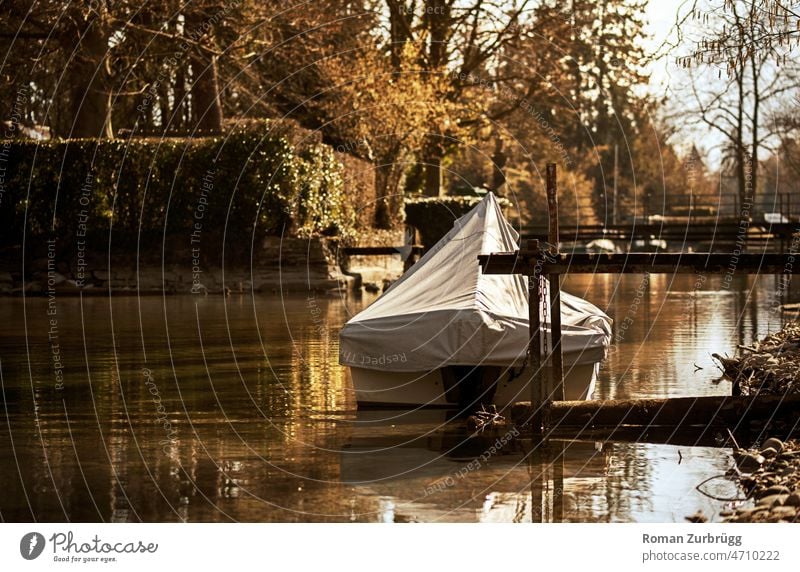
{"x": 219, "y": 409}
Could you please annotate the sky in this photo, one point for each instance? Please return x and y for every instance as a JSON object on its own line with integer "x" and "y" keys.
{"x": 661, "y": 17}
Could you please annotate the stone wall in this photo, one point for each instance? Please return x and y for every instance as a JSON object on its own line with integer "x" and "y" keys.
{"x": 277, "y": 265}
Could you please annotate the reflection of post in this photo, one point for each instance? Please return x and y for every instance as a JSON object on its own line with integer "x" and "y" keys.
{"x": 535, "y": 345}
{"x": 547, "y": 477}
{"x": 739, "y": 301}
{"x": 556, "y": 357}
{"x": 614, "y": 208}
{"x": 558, "y": 482}
{"x": 546, "y": 467}
{"x": 538, "y": 476}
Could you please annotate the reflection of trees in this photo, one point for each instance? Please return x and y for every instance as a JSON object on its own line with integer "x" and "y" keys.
{"x": 251, "y": 437}
{"x": 600, "y": 484}
{"x": 226, "y": 457}
{"x": 665, "y": 324}
{"x": 628, "y": 486}
{"x": 318, "y": 379}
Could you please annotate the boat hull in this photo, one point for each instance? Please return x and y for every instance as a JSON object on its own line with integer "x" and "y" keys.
{"x": 375, "y": 388}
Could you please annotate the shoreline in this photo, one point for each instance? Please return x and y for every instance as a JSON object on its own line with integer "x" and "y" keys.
{"x": 281, "y": 264}
{"x": 769, "y": 476}
{"x": 768, "y": 472}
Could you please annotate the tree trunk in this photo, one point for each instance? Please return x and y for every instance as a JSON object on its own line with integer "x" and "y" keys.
{"x": 437, "y": 19}
{"x": 741, "y": 176}
{"x": 206, "y": 106}
{"x": 400, "y": 20}
{"x": 499, "y": 159}
{"x": 89, "y": 96}
{"x": 388, "y": 171}
{"x": 177, "y": 119}
{"x": 164, "y": 110}
{"x": 754, "y": 123}
{"x": 433, "y": 173}
{"x": 432, "y": 155}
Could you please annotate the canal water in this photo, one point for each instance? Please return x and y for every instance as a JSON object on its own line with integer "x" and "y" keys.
{"x": 235, "y": 409}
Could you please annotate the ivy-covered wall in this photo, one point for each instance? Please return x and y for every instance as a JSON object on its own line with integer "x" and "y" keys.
{"x": 246, "y": 185}
{"x": 433, "y": 217}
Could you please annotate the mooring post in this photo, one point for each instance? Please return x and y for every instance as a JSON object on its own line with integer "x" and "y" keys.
{"x": 535, "y": 300}
{"x": 556, "y": 392}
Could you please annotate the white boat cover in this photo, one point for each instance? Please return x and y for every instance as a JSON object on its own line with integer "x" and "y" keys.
{"x": 445, "y": 311}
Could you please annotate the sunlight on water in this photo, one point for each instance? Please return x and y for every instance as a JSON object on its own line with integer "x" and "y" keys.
{"x": 214, "y": 409}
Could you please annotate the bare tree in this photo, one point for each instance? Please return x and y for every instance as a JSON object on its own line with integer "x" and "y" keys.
{"x": 452, "y": 40}
{"x": 737, "y": 87}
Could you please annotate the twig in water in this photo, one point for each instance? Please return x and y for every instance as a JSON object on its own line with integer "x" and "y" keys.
{"x": 735, "y": 444}
{"x": 709, "y": 495}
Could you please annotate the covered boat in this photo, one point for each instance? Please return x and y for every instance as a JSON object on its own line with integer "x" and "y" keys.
{"x": 445, "y": 334}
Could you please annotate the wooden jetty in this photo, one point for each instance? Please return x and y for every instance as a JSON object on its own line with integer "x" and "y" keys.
{"x": 703, "y": 222}
{"x": 726, "y": 234}
{"x": 684, "y": 420}
{"x": 536, "y": 260}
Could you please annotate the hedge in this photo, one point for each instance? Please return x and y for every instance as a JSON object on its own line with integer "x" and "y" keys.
{"x": 433, "y": 217}
{"x": 248, "y": 180}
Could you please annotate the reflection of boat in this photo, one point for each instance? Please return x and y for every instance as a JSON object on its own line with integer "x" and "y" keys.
{"x": 445, "y": 334}
{"x": 401, "y": 445}
{"x": 425, "y": 466}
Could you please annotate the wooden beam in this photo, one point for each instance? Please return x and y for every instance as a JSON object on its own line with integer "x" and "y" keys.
{"x": 379, "y": 250}
{"x": 639, "y": 263}
{"x": 675, "y": 412}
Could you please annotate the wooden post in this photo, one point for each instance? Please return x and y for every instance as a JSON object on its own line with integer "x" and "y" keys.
{"x": 789, "y": 208}
{"x": 535, "y": 343}
{"x": 556, "y": 392}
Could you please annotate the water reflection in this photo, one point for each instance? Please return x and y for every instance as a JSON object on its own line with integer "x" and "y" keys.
{"x": 215, "y": 409}
{"x": 667, "y": 326}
